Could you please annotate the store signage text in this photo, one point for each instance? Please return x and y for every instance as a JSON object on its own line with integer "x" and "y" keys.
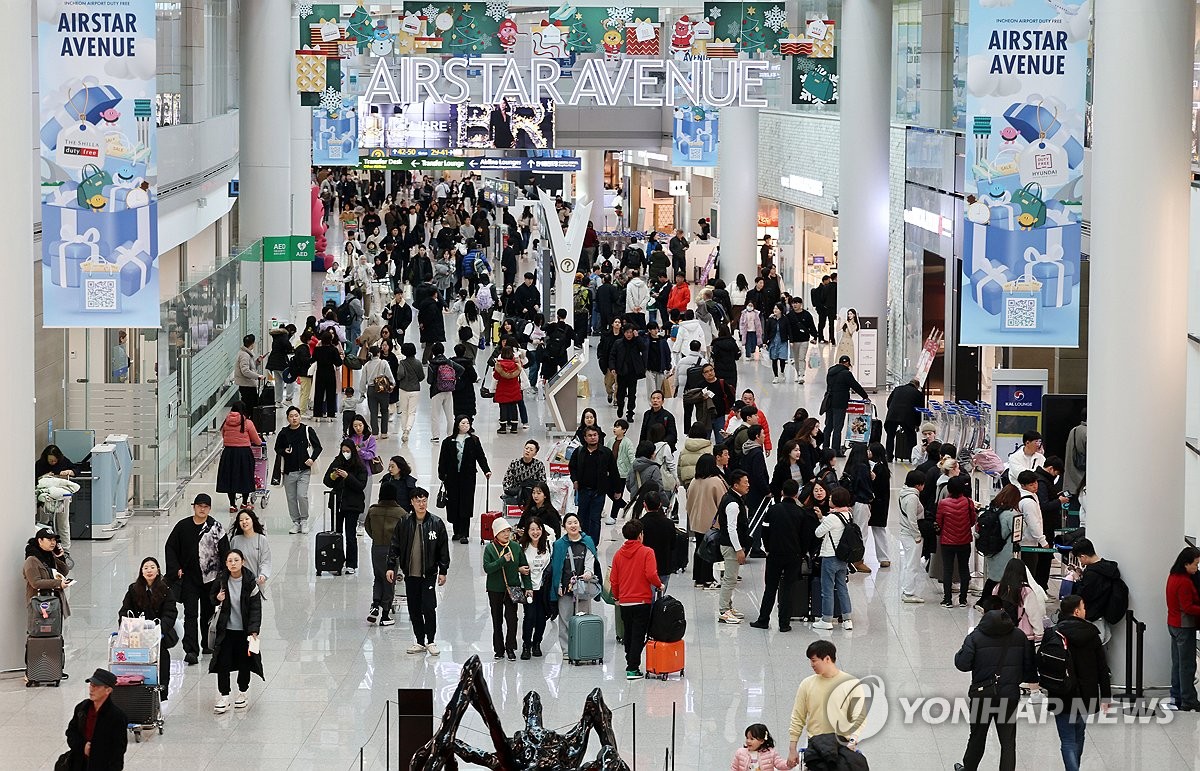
{"x": 930, "y": 221}
{"x": 637, "y": 82}
{"x": 803, "y": 185}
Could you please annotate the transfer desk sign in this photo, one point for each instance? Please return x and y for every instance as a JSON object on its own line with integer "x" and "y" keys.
{"x": 1026, "y": 98}
{"x": 96, "y": 66}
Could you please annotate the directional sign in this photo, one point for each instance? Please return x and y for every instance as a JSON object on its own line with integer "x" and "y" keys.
{"x": 541, "y": 165}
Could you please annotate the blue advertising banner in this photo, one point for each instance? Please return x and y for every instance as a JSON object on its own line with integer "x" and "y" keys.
{"x": 335, "y": 138}
{"x": 96, "y": 68}
{"x": 695, "y": 137}
{"x": 1026, "y": 98}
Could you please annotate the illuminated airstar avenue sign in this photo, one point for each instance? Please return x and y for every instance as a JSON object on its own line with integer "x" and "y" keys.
{"x": 632, "y": 82}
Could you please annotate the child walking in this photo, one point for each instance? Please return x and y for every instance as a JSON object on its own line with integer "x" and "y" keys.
{"x": 758, "y": 754}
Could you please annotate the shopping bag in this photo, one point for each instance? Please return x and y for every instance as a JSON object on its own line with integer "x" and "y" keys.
{"x": 814, "y": 358}
{"x": 668, "y": 386}
{"x": 90, "y": 194}
{"x": 1029, "y": 198}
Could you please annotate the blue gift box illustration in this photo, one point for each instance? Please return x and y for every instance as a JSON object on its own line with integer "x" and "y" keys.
{"x": 1008, "y": 249}
{"x": 74, "y": 236}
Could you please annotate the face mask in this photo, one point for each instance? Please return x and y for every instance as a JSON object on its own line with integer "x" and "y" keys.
{"x": 346, "y": 455}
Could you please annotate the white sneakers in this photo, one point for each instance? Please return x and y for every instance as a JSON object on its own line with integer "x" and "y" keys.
{"x": 222, "y": 705}
{"x": 911, "y": 598}
{"x": 775, "y": 381}
{"x": 416, "y": 648}
{"x": 295, "y": 529}
{"x": 822, "y": 625}
{"x": 728, "y": 617}
{"x": 240, "y": 701}
{"x": 847, "y": 625}
{"x": 362, "y": 531}
{"x": 432, "y": 649}
{"x": 610, "y": 521}
{"x": 350, "y": 571}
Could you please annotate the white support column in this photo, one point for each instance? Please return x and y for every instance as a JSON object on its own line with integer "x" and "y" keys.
{"x": 1127, "y": 369}
{"x": 16, "y": 382}
{"x": 737, "y": 220}
{"x": 589, "y": 183}
{"x": 267, "y": 93}
{"x": 937, "y": 62}
{"x": 866, "y": 111}
{"x": 301, "y": 176}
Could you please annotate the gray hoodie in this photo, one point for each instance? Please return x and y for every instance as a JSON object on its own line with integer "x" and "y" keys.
{"x": 647, "y": 470}
{"x": 911, "y": 511}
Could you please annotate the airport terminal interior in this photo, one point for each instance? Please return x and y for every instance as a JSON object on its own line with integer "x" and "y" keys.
{"x": 882, "y": 214}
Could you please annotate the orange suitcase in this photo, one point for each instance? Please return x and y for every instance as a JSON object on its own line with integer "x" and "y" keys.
{"x": 664, "y": 659}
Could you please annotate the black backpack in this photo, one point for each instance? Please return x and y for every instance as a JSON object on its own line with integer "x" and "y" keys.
{"x": 850, "y": 547}
{"x": 989, "y": 538}
{"x": 345, "y": 316}
{"x": 1118, "y": 601}
{"x": 667, "y": 622}
{"x": 1056, "y": 668}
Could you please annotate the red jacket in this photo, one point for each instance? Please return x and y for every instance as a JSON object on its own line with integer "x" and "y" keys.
{"x": 1181, "y": 598}
{"x": 508, "y": 381}
{"x": 956, "y": 518}
{"x": 679, "y": 298}
{"x": 633, "y": 573}
{"x": 232, "y": 434}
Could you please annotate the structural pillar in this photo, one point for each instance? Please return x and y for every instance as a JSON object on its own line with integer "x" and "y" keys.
{"x": 737, "y": 212}
{"x": 1134, "y": 373}
{"x": 866, "y": 109}
{"x": 937, "y": 62}
{"x": 16, "y": 381}
{"x": 267, "y": 92}
{"x": 589, "y": 184}
{"x": 302, "y": 181}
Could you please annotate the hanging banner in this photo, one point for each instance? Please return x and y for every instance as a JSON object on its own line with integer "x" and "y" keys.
{"x": 694, "y": 141}
{"x": 1026, "y": 99}
{"x": 96, "y": 67}
{"x": 334, "y": 138}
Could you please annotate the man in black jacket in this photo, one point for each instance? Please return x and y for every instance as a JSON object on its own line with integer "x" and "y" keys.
{"x": 839, "y": 381}
{"x": 558, "y": 345}
{"x": 610, "y": 301}
{"x": 526, "y": 298}
{"x": 191, "y": 576}
{"x": 902, "y": 417}
{"x": 999, "y": 657}
{"x": 658, "y": 533}
{"x": 1092, "y": 690}
{"x": 817, "y": 296}
{"x": 759, "y": 298}
{"x": 781, "y": 536}
{"x": 1095, "y": 585}
{"x": 1050, "y": 495}
{"x": 754, "y": 463}
{"x": 432, "y": 325}
{"x": 772, "y": 290}
{"x": 628, "y": 362}
{"x": 97, "y": 734}
{"x": 658, "y": 415}
{"x": 800, "y": 332}
{"x": 678, "y": 246}
{"x": 594, "y": 477}
{"x": 420, "y": 551}
{"x": 734, "y": 522}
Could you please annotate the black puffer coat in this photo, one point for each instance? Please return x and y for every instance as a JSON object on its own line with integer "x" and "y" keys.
{"x": 984, "y": 654}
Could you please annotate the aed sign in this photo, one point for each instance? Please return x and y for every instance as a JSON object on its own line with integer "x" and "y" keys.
{"x": 634, "y": 82}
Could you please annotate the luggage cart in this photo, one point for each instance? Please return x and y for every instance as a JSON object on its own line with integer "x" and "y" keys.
{"x": 261, "y": 495}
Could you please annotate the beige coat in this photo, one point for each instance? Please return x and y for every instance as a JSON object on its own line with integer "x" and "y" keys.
{"x": 703, "y": 498}
{"x": 38, "y": 578}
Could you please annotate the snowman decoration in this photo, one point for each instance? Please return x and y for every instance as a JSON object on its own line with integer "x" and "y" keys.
{"x": 382, "y": 39}
{"x": 681, "y": 37}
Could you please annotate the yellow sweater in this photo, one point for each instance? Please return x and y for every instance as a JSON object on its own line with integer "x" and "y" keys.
{"x": 813, "y": 708}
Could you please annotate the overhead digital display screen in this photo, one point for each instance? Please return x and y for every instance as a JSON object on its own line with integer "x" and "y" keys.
{"x": 415, "y": 126}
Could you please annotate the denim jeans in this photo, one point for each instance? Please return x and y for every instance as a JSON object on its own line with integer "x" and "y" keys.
{"x": 833, "y": 579}
{"x": 1183, "y": 667}
{"x": 1070, "y": 736}
{"x": 591, "y": 506}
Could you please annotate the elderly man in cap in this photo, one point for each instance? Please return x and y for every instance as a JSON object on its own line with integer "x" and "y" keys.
{"x": 97, "y": 733}
{"x": 195, "y": 553}
{"x": 839, "y": 381}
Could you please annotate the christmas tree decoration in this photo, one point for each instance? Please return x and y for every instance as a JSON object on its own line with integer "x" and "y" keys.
{"x": 360, "y": 27}
{"x": 322, "y": 34}
{"x": 471, "y": 30}
{"x": 753, "y": 30}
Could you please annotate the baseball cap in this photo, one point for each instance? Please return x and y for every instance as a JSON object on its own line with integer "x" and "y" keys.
{"x": 202, "y": 499}
{"x": 103, "y": 677}
{"x": 46, "y": 532}
{"x": 844, "y": 360}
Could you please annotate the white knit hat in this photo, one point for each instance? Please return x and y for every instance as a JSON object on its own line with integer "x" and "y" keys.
{"x": 499, "y": 525}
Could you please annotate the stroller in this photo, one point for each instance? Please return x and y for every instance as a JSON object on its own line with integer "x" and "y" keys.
{"x": 261, "y": 495}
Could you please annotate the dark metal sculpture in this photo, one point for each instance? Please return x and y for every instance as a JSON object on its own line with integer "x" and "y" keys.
{"x": 536, "y": 747}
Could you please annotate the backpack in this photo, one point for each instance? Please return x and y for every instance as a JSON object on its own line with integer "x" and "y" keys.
{"x": 484, "y": 299}
{"x": 989, "y": 538}
{"x": 556, "y": 344}
{"x": 1056, "y": 669}
{"x": 1080, "y": 459}
{"x": 667, "y": 622}
{"x": 345, "y": 316}
{"x": 849, "y": 547}
{"x": 582, "y": 299}
{"x": 445, "y": 378}
{"x": 1118, "y": 601}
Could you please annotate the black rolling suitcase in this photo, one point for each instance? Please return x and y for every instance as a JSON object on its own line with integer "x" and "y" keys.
{"x": 681, "y": 550}
{"x": 331, "y": 544}
{"x": 264, "y": 419}
{"x": 142, "y": 705}
{"x": 45, "y": 658}
{"x": 801, "y": 609}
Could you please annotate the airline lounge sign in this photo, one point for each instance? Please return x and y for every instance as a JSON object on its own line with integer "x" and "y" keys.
{"x": 634, "y": 82}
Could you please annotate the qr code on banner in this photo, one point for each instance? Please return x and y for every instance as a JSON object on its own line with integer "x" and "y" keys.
{"x": 100, "y": 294}
{"x": 1021, "y": 313}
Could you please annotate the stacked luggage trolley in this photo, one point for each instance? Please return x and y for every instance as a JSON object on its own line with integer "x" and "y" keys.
{"x": 133, "y": 658}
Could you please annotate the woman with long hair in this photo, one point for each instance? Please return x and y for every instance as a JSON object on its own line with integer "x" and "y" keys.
{"x": 235, "y": 470}
{"x": 845, "y": 346}
{"x": 328, "y": 356}
{"x": 955, "y": 521}
{"x": 44, "y": 556}
{"x": 791, "y": 429}
{"x": 237, "y": 595}
{"x": 881, "y": 501}
{"x": 1006, "y": 502}
{"x": 1183, "y": 610}
{"x": 150, "y": 596}
{"x": 856, "y": 478}
{"x": 587, "y": 419}
{"x": 347, "y": 478}
{"x": 1016, "y": 597}
{"x": 575, "y": 575}
{"x": 460, "y": 458}
{"x": 775, "y": 338}
{"x": 737, "y": 298}
{"x": 541, "y": 509}
{"x": 704, "y": 496}
{"x": 471, "y": 319}
{"x": 536, "y": 541}
{"x": 789, "y": 466}
{"x": 248, "y": 536}
{"x": 364, "y": 440}
{"x": 399, "y": 477}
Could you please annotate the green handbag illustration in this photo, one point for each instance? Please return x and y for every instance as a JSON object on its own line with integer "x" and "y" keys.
{"x": 818, "y": 84}
{"x": 91, "y": 188}
{"x": 1029, "y": 199}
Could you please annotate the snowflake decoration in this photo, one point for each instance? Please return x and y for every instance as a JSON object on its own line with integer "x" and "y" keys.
{"x": 497, "y": 9}
{"x": 775, "y": 18}
{"x": 331, "y": 100}
{"x": 714, "y": 12}
{"x": 733, "y": 29}
{"x": 304, "y": 9}
{"x": 622, "y": 14}
{"x": 430, "y": 11}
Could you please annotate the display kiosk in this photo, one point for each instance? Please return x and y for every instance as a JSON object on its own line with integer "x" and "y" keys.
{"x": 1017, "y": 396}
{"x": 124, "y": 457}
{"x": 105, "y": 473}
{"x": 562, "y": 396}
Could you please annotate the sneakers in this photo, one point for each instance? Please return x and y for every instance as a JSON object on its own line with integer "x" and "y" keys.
{"x": 222, "y": 705}
{"x": 416, "y": 648}
{"x": 610, "y": 521}
{"x": 633, "y": 674}
{"x": 387, "y": 621}
{"x": 775, "y": 380}
{"x": 373, "y": 614}
{"x": 404, "y": 437}
{"x": 503, "y": 429}
{"x": 240, "y": 701}
{"x": 537, "y": 651}
{"x": 498, "y": 655}
{"x": 737, "y": 613}
{"x": 350, "y": 571}
{"x": 914, "y": 599}
{"x": 432, "y": 649}
{"x": 885, "y": 563}
{"x": 526, "y": 653}
{"x": 362, "y": 531}
{"x": 847, "y": 625}
{"x": 434, "y": 439}
{"x": 192, "y": 659}
{"x": 822, "y": 625}
{"x": 946, "y": 604}
{"x": 728, "y": 618}
{"x": 304, "y": 526}
{"x": 295, "y": 529}
{"x": 962, "y": 603}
